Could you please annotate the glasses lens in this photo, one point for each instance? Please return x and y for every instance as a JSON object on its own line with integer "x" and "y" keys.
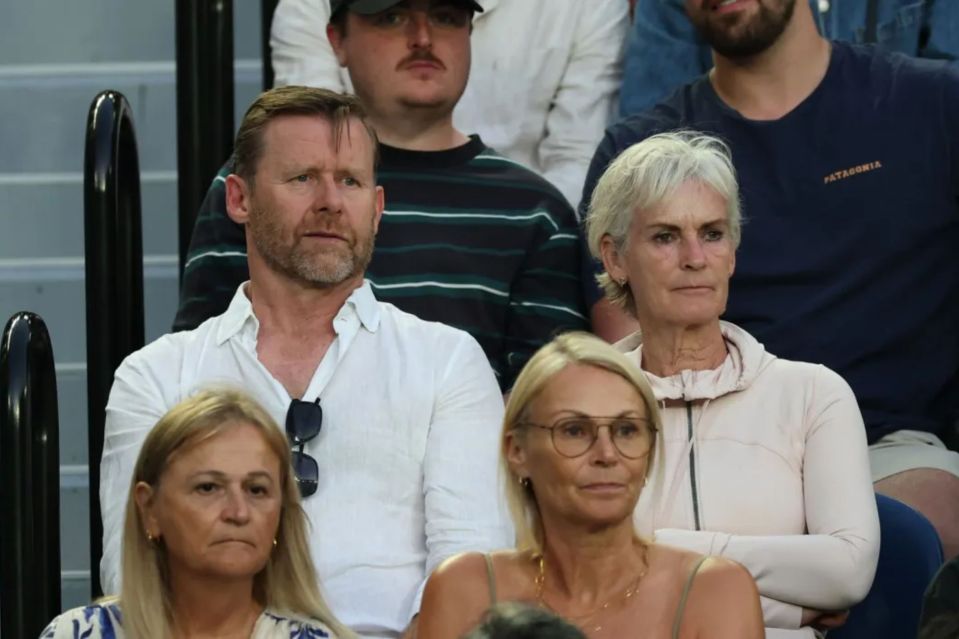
{"x": 307, "y": 472}
{"x": 573, "y": 437}
{"x": 631, "y": 437}
{"x": 303, "y": 421}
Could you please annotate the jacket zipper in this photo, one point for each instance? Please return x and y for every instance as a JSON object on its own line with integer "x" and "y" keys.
{"x": 692, "y": 464}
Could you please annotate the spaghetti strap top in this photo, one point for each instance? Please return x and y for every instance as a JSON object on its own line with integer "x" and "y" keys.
{"x": 491, "y": 577}
{"x": 678, "y": 621}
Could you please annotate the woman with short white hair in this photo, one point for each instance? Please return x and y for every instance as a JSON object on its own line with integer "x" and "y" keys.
{"x": 764, "y": 459}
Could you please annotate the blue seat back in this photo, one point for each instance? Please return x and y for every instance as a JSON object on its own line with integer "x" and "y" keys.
{"x": 910, "y": 554}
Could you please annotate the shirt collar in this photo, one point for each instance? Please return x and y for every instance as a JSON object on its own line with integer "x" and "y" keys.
{"x": 367, "y": 308}
{"x": 240, "y": 312}
{"x": 237, "y": 314}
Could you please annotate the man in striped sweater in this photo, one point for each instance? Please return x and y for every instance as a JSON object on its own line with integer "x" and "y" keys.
{"x": 468, "y": 238}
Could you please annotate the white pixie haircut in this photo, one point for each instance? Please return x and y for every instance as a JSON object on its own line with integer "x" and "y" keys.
{"x": 645, "y": 175}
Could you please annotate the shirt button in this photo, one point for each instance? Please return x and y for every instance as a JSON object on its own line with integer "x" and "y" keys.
{"x": 823, "y": 6}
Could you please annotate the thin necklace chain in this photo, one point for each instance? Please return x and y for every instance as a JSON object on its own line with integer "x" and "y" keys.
{"x": 625, "y": 596}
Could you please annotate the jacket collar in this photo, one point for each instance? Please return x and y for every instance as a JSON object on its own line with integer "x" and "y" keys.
{"x": 746, "y": 359}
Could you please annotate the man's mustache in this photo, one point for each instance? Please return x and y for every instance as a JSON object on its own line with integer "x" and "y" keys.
{"x": 421, "y": 55}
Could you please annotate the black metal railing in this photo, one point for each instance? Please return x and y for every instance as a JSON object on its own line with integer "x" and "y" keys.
{"x": 204, "y": 103}
{"x": 30, "y": 473}
{"x": 267, "y": 9}
{"x": 113, "y": 235}
{"x": 205, "y": 98}
{"x": 114, "y": 273}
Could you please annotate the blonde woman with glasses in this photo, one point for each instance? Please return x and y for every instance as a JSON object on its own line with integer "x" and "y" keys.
{"x": 579, "y": 438}
{"x": 214, "y": 541}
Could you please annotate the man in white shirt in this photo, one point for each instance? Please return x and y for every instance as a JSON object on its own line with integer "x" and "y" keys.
{"x": 544, "y": 79}
{"x": 407, "y": 444}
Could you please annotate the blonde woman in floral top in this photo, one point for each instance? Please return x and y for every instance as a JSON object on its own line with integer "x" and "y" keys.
{"x": 214, "y": 538}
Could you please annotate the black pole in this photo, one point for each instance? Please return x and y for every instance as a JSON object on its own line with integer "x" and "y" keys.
{"x": 114, "y": 274}
{"x": 204, "y": 103}
{"x": 267, "y": 9}
{"x": 30, "y": 471}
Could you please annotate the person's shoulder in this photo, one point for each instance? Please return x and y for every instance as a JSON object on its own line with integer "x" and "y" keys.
{"x": 456, "y": 593}
{"x": 718, "y": 573}
{"x": 464, "y": 568}
{"x": 473, "y": 570}
{"x": 89, "y": 622}
{"x": 170, "y": 347}
{"x": 419, "y": 349}
{"x": 491, "y": 163}
{"x": 597, "y": 12}
{"x": 577, "y": 9}
{"x": 434, "y": 342}
{"x": 817, "y": 378}
{"x": 870, "y": 57}
{"x": 177, "y": 343}
{"x": 683, "y": 108}
{"x": 724, "y": 598}
{"x": 696, "y": 569}
{"x": 407, "y": 327}
{"x": 871, "y": 70}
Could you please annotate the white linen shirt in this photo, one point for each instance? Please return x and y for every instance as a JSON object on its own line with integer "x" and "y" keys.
{"x": 407, "y": 452}
{"x": 544, "y": 78}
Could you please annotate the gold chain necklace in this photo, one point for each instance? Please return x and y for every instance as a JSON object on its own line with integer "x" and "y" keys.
{"x": 540, "y": 582}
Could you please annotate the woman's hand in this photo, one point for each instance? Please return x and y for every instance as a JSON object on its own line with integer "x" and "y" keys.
{"x": 824, "y": 619}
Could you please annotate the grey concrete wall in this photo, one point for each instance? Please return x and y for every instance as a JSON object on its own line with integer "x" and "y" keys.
{"x": 55, "y": 56}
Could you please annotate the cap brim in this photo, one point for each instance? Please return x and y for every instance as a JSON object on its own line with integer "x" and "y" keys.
{"x": 371, "y": 6}
{"x": 368, "y": 7}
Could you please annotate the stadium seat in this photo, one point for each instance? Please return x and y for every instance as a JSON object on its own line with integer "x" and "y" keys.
{"x": 910, "y": 554}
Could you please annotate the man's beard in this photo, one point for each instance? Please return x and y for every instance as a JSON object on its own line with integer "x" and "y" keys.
{"x": 730, "y": 39}
{"x": 317, "y": 268}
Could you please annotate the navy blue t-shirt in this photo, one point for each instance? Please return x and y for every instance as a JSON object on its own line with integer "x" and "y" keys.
{"x": 850, "y": 250}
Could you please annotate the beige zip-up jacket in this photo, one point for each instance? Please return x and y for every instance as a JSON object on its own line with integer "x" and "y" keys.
{"x": 765, "y": 461}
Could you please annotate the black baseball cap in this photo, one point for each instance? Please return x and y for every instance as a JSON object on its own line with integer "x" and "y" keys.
{"x": 368, "y": 7}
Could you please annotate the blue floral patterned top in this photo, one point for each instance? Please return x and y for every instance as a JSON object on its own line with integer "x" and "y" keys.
{"x": 104, "y": 621}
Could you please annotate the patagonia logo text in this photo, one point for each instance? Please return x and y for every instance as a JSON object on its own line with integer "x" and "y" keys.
{"x": 856, "y": 170}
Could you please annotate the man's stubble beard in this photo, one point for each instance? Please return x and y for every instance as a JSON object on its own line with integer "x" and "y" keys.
{"x": 314, "y": 269}
{"x": 743, "y": 41}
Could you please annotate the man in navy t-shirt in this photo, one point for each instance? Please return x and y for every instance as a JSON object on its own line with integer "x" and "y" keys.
{"x": 848, "y": 160}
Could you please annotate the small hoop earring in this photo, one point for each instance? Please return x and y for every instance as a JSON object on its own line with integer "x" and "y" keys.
{"x": 525, "y": 482}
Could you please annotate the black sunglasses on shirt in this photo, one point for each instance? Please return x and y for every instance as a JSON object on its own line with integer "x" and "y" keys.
{"x": 303, "y": 423}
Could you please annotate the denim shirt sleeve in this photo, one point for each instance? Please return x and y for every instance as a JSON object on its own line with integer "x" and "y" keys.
{"x": 941, "y": 28}
{"x": 663, "y": 52}
{"x": 919, "y": 28}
